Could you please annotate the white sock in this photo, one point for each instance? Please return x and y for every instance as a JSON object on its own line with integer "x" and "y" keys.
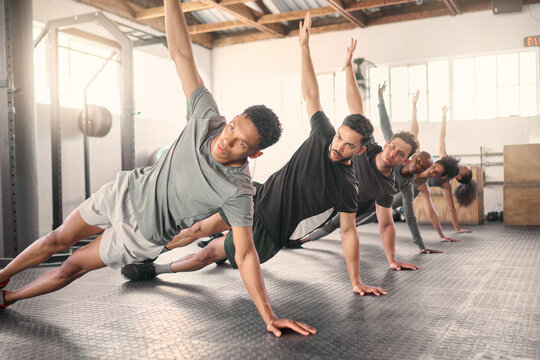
{"x": 163, "y": 268}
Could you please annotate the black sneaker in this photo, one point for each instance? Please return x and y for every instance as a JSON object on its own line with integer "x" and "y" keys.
{"x": 294, "y": 244}
{"x": 138, "y": 271}
{"x": 204, "y": 243}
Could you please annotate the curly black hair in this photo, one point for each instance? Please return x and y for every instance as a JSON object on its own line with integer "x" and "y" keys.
{"x": 409, "y": 138}
{"x": 361, "y": 125}
{"x": 450, "y": 165}
{"x": 267, "y": 124}
{"x": 465, "y": 178}
{"x": 466, "y": 193}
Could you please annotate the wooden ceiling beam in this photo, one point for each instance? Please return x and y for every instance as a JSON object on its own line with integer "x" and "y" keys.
{"x": 295, "y": 15}
{"x": 264, "y": 19}
{"x": 191, "y": 6}
{"x": 360, "y": 19}
{"x": 207, "y": 28}
{"x": 369, "y": 4}
{"x": 248, "y": 16}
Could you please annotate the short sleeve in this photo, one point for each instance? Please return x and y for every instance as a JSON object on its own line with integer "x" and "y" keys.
{"x": 385, "y": 201}
{"x": 349, "y": 196}
{"x": 202, "y": 105}
{"x": 239, "y": 210}
{"x": 320, "y": 125}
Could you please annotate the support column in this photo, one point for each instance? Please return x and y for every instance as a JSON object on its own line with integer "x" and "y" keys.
{"x": 18, "y": 177}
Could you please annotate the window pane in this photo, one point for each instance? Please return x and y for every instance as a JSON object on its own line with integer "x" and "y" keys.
{"x": 527, "y": 67}
{"x": 464, "y": 74}
{"x": 341, "y": 108}
{"x": 485, "y": 71}
{"x": 486, "y": 103}
{"x": 463, "y": 105}
{"x": 417, "y": 81}
{"x": 399, "y": 94}
{"x": 41, "y": 86}
{"x": 507, "y": 69}
{"x": 326, "y": 91}
{"x": 527, "y": 98}
{"x": 508, "y": 100}
{"x": 377, "y": 76}
{"x": 438, "y": 88}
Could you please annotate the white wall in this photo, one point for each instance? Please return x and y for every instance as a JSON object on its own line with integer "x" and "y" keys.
{"x": 266, "y": 72}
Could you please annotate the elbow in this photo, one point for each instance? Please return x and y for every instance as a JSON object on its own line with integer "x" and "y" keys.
{"x": 180, "y": 54}
{"x": 311, "y": 95}
{"x": 243, "y": 257}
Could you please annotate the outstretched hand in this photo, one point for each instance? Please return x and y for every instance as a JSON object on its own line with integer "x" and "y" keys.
{"x": 304, "y": 30}
{"x": 350, "y": 51}
{"x": 366, "y": 289}
{"x": 275, "y": 325}
{"x": 430, "y": 251}
{"x": 382, "y": 88}
{"x": 396, "y": 265}
{"x": 444, "y": 110}
{"x": 447, "y": 239}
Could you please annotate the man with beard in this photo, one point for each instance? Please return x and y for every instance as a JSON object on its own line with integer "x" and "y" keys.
{"x": 315, "y": 184}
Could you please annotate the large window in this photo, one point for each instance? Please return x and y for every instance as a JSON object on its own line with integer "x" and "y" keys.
{"x": 479, "y": 87}
{"x": 78, "y": 62}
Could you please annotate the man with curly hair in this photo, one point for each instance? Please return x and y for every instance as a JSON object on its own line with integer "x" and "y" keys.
{"x": 137, "y": 215}
{"x": 317, "y": 183}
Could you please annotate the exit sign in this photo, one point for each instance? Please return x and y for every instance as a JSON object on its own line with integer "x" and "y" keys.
{"x": 531, "y": 41}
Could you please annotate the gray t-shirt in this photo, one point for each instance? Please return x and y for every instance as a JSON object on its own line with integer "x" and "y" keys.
{"x": 187, "y": 184}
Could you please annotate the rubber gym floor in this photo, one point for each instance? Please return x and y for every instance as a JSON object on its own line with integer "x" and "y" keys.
{"x": 480, "y": 299}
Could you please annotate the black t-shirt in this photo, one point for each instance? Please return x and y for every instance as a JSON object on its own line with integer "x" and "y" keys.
{"x": 438, "y": 181}
{"x": 308, "y": 188}
{"x": 372, "y": 184}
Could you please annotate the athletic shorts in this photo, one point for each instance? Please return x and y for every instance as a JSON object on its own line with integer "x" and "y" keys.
{"x": 265, "y": 247}
{"x": 110, "y": 208}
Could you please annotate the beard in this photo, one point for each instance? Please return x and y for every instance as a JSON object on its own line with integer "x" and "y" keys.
{"x": 340, "y": 160}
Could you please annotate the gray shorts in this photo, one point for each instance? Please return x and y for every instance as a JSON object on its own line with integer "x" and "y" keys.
{"x": 110, "y": 208}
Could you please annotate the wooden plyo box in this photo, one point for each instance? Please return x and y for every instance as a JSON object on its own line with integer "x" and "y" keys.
{"x": 471, "y": 215}
{"x": 521, "y": 205}
{"x": 522, "y": 184}
{"x": 522, "y": 164}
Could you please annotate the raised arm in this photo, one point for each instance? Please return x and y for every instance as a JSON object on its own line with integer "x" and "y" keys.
{"x": 414, "y": 120}
{"x": 354, "y": 98}
{"x": 180, "y": 48}
{"x": 386, "y": 126}
{"x": 310, "y": 86}
{"x": 442, "y": 134}
{"x": 350, "y": 243}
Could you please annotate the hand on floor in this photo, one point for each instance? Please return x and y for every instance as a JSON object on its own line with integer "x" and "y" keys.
{"x": 297, "y": 326}
{"x": 396, "y": 265}
{"x": 366, "y": 289}
{"x": 447, "y": 239}
{"x": 430, "y": 251}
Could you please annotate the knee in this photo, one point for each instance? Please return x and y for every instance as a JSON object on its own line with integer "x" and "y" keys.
{"x": 206, "y": 255}
{"x": 69, "y": 270}
{"x": 52, "y": 240}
